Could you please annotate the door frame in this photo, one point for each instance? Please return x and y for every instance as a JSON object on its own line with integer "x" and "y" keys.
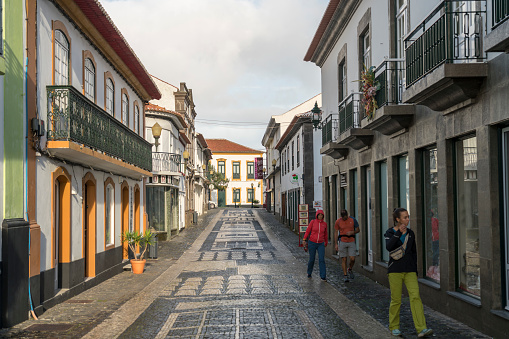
{"x": 89, "y": 232}
{"x": 124, "y": 213}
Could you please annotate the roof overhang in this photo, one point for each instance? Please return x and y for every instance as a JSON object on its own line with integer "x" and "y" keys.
{"x": 336, "y": 17}
{"x": 96, "y": 24}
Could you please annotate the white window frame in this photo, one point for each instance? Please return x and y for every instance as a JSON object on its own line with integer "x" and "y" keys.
{"x": 110, "y": 97}
{"x": 61, "y": 58}
{"x": 125, "y": 109}
{"x": 401, "y": 28}
{"x": 137, "y": 119}
{"x": 89, "y": 79}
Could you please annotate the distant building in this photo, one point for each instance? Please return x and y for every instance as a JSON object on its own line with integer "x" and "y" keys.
{"x": 237, "y": 163}
{"x": 293, "y": 165}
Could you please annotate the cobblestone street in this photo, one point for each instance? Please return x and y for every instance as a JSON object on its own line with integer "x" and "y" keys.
{"x": 238, "y": 273}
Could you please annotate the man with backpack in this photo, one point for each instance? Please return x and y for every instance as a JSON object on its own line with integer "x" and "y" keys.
{"x": 346, "y": 228}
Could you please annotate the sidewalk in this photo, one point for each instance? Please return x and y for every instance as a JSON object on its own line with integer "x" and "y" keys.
{"x": 371, "y": 297}
{"x": 77, "y": 316}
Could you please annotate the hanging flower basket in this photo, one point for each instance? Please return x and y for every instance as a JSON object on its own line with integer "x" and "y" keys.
{"x": 369, "y": 88}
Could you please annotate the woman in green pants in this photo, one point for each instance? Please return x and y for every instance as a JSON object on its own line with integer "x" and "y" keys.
{"x": 403, "y": 269}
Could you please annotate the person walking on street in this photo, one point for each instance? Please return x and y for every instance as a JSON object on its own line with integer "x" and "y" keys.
{"x": 315, "y": 239}
{"x": 347, "y": 227}
{"x": 400, "y": 242}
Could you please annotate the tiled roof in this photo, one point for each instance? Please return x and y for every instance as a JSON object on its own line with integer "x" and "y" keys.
{"x": 227, "y": 146}
{"x": 327, "y": 16}
{"x": 97, "y": 15}
{"x": 156, "y": 108}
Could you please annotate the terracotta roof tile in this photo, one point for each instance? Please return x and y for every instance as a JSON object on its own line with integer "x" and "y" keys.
{"x": 156, "y": 108}
{"x": 227, "y": 146}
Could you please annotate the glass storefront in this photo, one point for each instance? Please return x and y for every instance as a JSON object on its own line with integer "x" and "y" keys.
{"x": 163, "y": 208}
{"x": 430, "y": 214}
{"x": 467, "y": 223}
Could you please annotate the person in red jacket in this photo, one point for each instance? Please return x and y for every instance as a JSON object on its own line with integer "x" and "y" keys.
{"x": 315, "y": 239}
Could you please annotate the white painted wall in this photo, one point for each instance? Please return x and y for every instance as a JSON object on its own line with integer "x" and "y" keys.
{"x": 167, "y": 94}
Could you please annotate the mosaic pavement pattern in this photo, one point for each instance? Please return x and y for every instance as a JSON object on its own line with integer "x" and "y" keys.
{"x": 207, "y": 302}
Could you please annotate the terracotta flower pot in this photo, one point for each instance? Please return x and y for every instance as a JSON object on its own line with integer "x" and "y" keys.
{"x": 137, "y": 266}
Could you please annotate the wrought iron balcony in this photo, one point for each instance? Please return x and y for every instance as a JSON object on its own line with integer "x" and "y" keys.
{"x": 72, "y": 117}
{"x": 330, "y": 129}
{"x": 444, "y": 56}
{"x": 350, "y": 112}
{"x": 390, "y": 116}
{"x": 391, "y": 77}
{"x": 166, "y": 162}
{"x": 498, "y": 39}
{"x": 500, "y": 9}
{"x": 449, "y": 34}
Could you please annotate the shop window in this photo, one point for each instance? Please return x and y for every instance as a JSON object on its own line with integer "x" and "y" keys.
{"x": 430, "y": 214}
{"x": 467, "y": 223}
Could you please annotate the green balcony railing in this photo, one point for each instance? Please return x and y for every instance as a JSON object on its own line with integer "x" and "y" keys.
{"x": 391, "y": 77}
{"x": 72, "y": 117}
{"x": 330, "y": 129}
{"x": 349, "y": 112}
{"x": 452, "y": 33}
{"x": 500, "y": 10}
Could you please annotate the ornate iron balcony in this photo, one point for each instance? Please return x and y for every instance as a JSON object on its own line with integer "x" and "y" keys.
{"x": 72, "y": 117}
{"x": 391, "y": 77}
{"x": 500, "y": 10}
{"x": 452, "y": 33}
{"x": 350, "y": 112}
{"x": 330, "y": 129}
{"x": 166, "y": 162}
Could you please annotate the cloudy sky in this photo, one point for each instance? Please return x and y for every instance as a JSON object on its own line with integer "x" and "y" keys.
{"x": 243, "y": 59}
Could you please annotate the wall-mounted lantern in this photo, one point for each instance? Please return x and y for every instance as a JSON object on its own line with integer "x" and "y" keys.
{"x": 316, "y": 117}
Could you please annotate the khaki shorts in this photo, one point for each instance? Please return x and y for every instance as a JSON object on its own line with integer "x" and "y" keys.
{"x": 347, "y": 249}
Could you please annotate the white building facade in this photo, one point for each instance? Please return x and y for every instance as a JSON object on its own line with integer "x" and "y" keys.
{"x": 92, "y": 161}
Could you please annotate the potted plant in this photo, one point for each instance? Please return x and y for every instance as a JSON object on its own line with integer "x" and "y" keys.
{"x": 137, "y": 240}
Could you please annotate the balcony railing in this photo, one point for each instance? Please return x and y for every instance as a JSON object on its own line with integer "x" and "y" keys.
{"x": 350, "y": 112}
{"x": 330, "y": 129}
{"x": 449, "y": 34}
{"x": 500, "y": 9}
{"x": 391, "y": 77}
{"x": 166, "y": 162}
{"x": 73, "y": 117}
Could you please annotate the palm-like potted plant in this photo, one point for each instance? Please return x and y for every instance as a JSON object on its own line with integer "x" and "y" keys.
{"x": 137, "y": 240}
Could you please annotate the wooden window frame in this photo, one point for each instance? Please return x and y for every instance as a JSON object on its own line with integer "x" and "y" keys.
{"x": 59, "y": 26}
{"x": 86, "y": 54}
{"x": 108, "y": 75}
{"x": 124, "y": 92}
{"x": 240, "y": 169}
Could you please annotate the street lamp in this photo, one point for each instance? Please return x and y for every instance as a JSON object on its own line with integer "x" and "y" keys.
{"x": 252, "y": 194}
{"x": 156, "y": 133}
{"x": 317, "y": 116}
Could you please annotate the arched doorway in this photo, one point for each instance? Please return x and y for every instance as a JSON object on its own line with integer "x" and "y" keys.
{"x": 137, "y": 208}
{"x": 89, "y": 224}
{"x": 125, "y": 216}
{"x": 61, "y": 223}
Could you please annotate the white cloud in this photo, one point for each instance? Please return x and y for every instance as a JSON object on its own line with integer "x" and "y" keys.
{"x": 242, "y": 58}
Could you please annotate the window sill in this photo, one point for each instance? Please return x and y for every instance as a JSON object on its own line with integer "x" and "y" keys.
{"x": 368, "y": 268}
{"x": 382, "y": 264}
{"x": 501, "y": 313}
{"x": 109, "y": 247}
{"x": 470, "y": 300}
{"x": 429, "y": 283}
